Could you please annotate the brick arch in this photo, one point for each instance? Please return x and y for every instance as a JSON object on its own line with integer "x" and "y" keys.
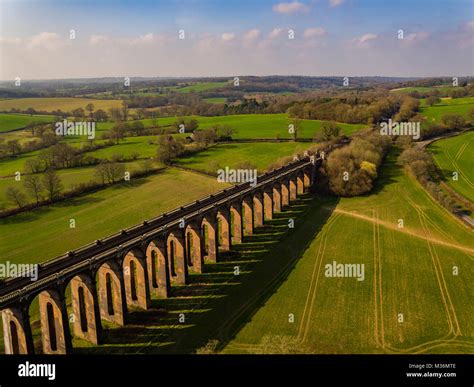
{"x": 111, "y": 289}
{"x": 55, "y": 334}
{"x": 277, "y": 201}
{"x": 248, "y": 214}
{"x": 300, "y": 183}
{"x": 135, "y": 273}
{"x": 18, "y": 338}
{"x": 285, "y": 192}
{"x": 224, "y": 234}
{"x": 236, "y": 224}
{"x": 158, "y": 267}
{"x": 193, "y": 246}
{"x": 292, "y": 186}
{"x": 85, "y": 316}
{"x": 268, "y": 202}
{"x": 209, "y": 233}
{"x": 177, "y": 257}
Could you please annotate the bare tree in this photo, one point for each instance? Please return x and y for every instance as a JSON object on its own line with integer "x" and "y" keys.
{"x": 117, "y": 133}
{"x": 109, "y": 172}
{"x": 34, "y": 186}
{"x": 16, "y": 196}
{"x": 52, "y": 184}
{"x": 125, "y": 110}
{"x": 14, "y": 147}
{"x": 90, "y": 109}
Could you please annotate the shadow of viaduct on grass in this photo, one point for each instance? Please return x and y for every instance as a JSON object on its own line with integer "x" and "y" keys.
{"x": 217, "y": 303}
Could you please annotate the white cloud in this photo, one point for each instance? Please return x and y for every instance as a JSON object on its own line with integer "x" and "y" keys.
{"x": 251, "y": 35}
{"x": 289, "y": 8}
{"x": 11, "y": 40}
{"x": 275, "y": 33}
{"x": 362, "y": 40}
{"x": 254, "y": 51}
{"x": 416, "y": 36}
{"x": 97, "y": 39}
{"x": 335, "y": 3}
{"x": 146, "y": 38}
{"x": 149, "y": 38}
{"x": 50, "y": 41}
{"x": 227, "y": 36}
{"x": 313, "y": 32}
{"x": 142, "y": 39}
{"x": 469, "y": 26}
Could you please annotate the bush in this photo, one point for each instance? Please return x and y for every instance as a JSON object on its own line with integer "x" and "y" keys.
{"x": 453, "y": 121}
{"x": 350, "y": 170}
{"x": 420, "y": 163}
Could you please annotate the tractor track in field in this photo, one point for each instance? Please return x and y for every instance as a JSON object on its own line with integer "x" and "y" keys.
{"x": 450, "y": 310}
{"x": 455, "y": 164}
{"x": 310, "y": 298}
{"x": 405, "y": 231}
{"x": 305, "y": 319}
{"x": 454, "y": 330}
{"x": 223, "y": 330}
{"x": 377, "y": 285}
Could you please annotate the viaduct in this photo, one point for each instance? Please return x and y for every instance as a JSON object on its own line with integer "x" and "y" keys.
{"x": 125, "y": 269}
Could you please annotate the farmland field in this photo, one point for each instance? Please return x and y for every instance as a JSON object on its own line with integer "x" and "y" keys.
{"x": 455, "y": 154}
{"x": 44, "y": 233}
{"x": 70, "y": 177}
{"x": 254, "y": 126}
{"x": 248, "y": 126}
{"x": 424, "y": 89}
{"x": 460, "y": 106}
{"x": 64, "y": 104}
{"x": 408, "y": 302}
{"x": 260, "y": 155}
{"x": 408, "y": 271}
{"x": 198, "y": 87}
{"x": 216, "y": 100}
{"x": 16, "y": 121}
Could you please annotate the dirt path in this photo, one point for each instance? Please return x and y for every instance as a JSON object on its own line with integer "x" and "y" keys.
{"x": 405, "y": 230}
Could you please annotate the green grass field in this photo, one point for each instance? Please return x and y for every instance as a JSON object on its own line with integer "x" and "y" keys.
{"x": 455, "y": 155}
{"x": 199, "y": 87}
{"x": 44, "y": 233}
{"x": 64, "y": 104}
{"x": 70, "y": 178}
{"x": 460, "y": 106}
{"x": 254, "y": 126}
{"x": 407, "y": 271}
{"x": 424, "y": 89}
{"x": 15, "y": 121}
{"x": 247, "y": 126}
{"x": 217, "y": 100}
{"x": 141, "y": 145}
{"x": 261, "y": 155}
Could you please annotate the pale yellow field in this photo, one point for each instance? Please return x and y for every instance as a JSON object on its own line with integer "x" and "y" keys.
{"x": 50, "y": 104}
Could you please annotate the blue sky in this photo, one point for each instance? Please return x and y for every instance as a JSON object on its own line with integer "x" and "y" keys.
{"x": 332, "y": 37}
